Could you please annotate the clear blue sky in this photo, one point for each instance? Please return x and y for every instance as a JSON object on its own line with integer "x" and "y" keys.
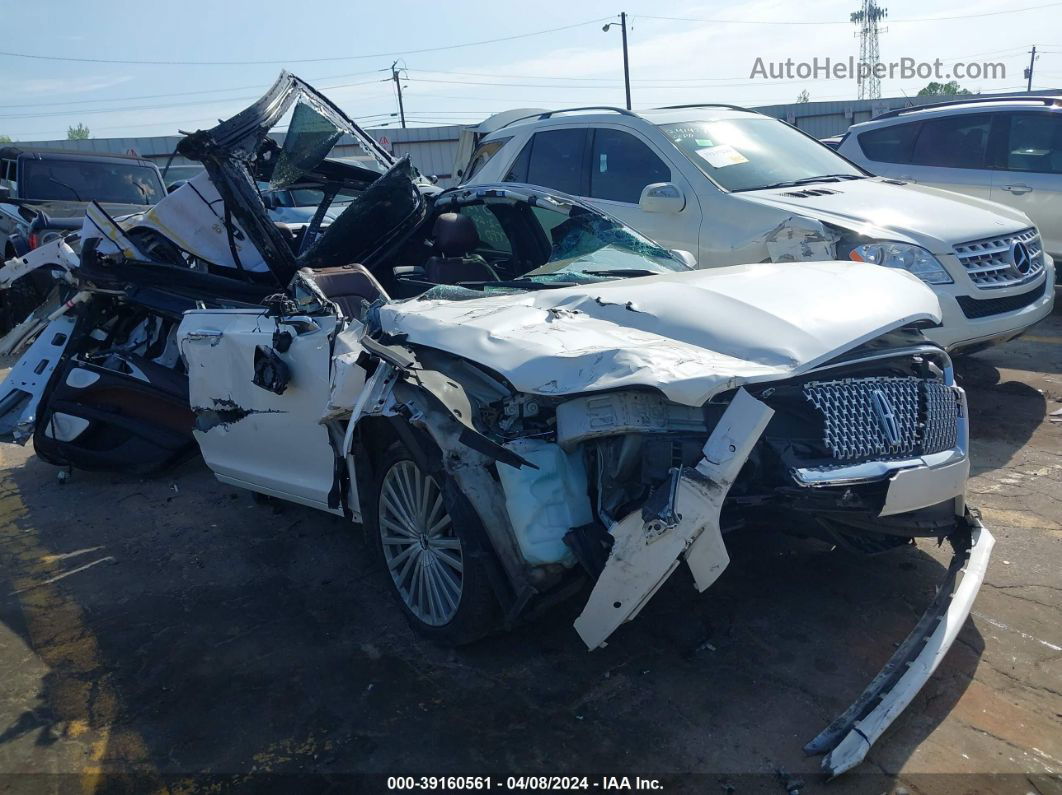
{"x": 700, "y": 58}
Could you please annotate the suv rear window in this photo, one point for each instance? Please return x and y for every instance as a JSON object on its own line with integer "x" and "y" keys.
{"x": 621, "y": 166}
{"x": 557, "y": 160}
{"x": 954, "y": 141}
{"x": 83, "y": 180}
{"x": 484, "y": 152}
{"x": 892, "y": 144}
{"x": 1034, "y": 143}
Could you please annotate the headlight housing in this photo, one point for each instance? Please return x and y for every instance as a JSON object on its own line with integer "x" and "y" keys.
{"x": 913, "y": 259}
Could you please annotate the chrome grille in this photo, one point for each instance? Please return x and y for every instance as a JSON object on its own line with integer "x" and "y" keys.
{"x": 866, "y": 418}
{"x": 990, "y": 262}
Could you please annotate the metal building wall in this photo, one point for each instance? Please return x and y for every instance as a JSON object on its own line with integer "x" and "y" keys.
{"x": 432, "y": 149}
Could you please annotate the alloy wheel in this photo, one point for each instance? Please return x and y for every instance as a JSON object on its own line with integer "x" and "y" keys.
{"x": 422, "y": 552}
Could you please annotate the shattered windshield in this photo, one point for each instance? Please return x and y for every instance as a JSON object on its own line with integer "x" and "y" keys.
{"x": 540, "y": 242}
{"x": 587, "y": 246}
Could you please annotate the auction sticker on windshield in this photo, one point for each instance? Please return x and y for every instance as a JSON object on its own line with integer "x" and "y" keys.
{"x": 722, "y": 156}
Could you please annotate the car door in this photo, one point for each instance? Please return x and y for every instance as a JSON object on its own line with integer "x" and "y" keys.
{"x": 951, "y": 152}
{"x": 1029, "y": 177}
{"x": 258, "y": 387}
{"x": 621, "y": 164}
{"x": 607, "y": 167}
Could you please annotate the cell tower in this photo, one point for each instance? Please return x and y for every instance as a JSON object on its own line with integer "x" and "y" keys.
{"x": 867, "y": 17}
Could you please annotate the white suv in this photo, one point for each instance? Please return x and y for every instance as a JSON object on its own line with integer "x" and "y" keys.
{"x": 1005, "y": 149}
{"x": 733, "y": 187}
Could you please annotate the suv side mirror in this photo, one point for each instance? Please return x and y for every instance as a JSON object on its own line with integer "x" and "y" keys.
{"x": 687, "y": 257}
{"x": 662, "y": 197}
{"x": 5, "y": 192}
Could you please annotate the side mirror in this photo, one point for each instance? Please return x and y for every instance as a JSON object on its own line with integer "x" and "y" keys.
{"x": 5, "y": 192}
{"x": 662, "y": 197}
{"x": 686, "y": 256}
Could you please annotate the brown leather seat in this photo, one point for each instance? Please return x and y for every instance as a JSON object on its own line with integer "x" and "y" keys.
{"x": 352, "y": 287}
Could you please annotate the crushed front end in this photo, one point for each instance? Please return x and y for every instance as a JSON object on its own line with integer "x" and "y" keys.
{"x": 867, "y": 451}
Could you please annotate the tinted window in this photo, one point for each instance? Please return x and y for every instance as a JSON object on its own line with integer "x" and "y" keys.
{"x": 621, "y": 165}
{"x": 518, "y": 170}
{"x": 953, "y": 142}
{"x": 79, "y": 180}
{"x": 1034, "y": 143}
{"x": 893, "y": 144}
{"x": 557, "y": 160}
{"x": 483, "y": 154}
{"x": 754, "y": 152}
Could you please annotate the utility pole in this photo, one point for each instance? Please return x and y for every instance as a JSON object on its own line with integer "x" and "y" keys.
{"x": 867, "y": 18}
{"x": 398, "y": 88}
{"x": 626, "y": 62}
{"x": 1029, "y": 71}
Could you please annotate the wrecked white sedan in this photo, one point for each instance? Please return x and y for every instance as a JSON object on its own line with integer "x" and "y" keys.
{"x": 516, "y": 394}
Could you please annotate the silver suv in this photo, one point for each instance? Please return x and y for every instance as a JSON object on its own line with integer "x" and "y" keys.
{"x": 1007, "y": 149}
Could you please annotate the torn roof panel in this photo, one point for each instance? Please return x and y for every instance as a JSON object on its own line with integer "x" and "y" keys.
{"x": 690, "y": 335}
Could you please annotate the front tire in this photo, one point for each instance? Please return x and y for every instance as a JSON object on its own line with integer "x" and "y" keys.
{"x": 440, "y": 583}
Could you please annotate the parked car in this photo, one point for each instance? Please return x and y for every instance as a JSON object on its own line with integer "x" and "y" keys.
{"x": 734, "y": 186}
{"x": 1007, "y": 149}
{"x": 297, "y": 206}
{"x": 63, "y": 183}
{"x": 511, "y": 390}
{"x": 43, "y": 193}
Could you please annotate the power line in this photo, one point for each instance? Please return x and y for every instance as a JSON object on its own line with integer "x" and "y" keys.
{"x": 306, "y": 60}
{"x": 89, "y": 111}
{"x": 180, "y": 93}
{"x": 806, "y": 22}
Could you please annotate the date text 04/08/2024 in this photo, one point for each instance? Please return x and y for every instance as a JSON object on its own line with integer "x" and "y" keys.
{"x": 523, "y": 783}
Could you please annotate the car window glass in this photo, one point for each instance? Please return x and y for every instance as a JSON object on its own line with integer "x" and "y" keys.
{"x": 483, "y": 154}
{"x": 557, "y": 160}
{"x": 490, "y": 231}
{"x": 892, "y": 144}
{"x": 621, "y": 165}
{"x": 82, "y": 180}
{"x": 953, "y": 142}
{"x": 309, "y": 138}
{"x": 1034, "y": 143}
{"x": 518, "y": 170}
{"x": 753, "y": 152}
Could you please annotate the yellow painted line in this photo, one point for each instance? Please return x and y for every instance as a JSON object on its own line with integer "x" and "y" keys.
{"x": 80, "y": 692}
{"x": 1036, "y": 338}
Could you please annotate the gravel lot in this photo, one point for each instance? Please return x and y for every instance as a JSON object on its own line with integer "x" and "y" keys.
{"x": 174, "y": 633}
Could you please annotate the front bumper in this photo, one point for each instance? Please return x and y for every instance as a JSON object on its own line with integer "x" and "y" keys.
{"x": 847, "y": 740}
{"x": 958, "y": 332}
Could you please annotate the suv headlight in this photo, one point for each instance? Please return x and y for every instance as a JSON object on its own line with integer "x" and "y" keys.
{"x": 913, "y": 259}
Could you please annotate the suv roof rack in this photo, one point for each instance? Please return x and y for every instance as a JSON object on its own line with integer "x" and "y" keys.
{"x": 1043, "y": 100}
{"x": 703, "y": 105}
{"x": 550, "y": 113}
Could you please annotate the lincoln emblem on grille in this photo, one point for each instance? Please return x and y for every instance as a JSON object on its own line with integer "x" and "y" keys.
{"x": 890, "y": 426}
{"x": 1019, "y": 255}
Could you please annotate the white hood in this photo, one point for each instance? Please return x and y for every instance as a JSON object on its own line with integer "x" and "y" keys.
{"x": 689, "y": 334}
{"x": 933, "y": 218}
